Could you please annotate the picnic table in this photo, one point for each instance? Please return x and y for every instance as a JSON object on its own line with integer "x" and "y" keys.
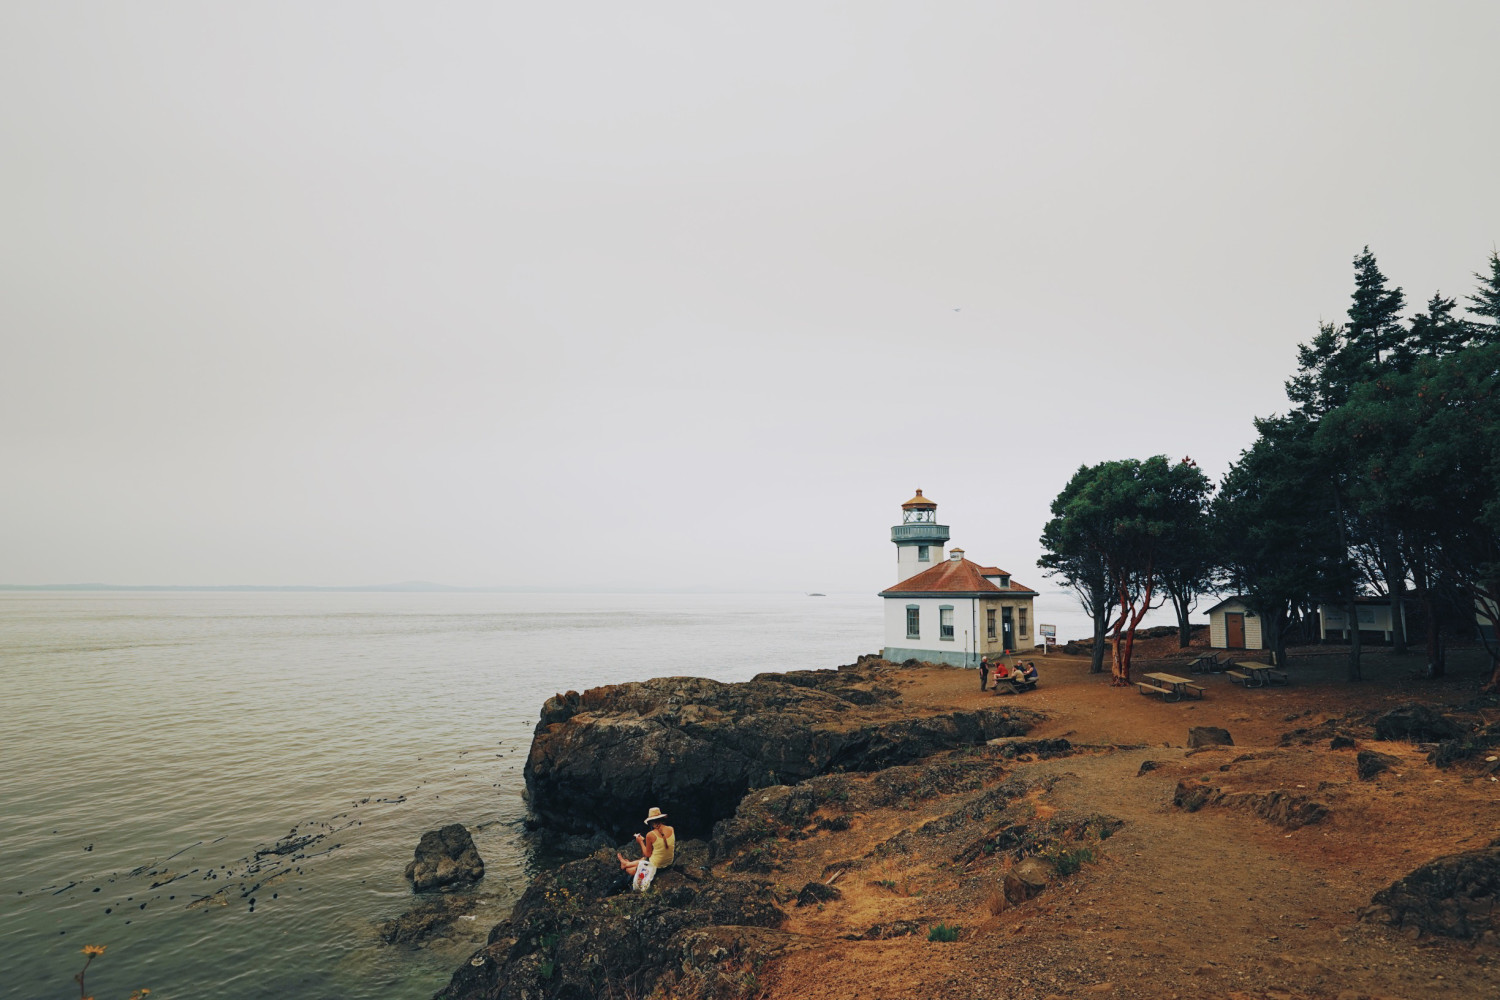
{"x": 1257, "y": 674}
{"x": 1169, "y": 686}
{"x": 1208, "y": 663}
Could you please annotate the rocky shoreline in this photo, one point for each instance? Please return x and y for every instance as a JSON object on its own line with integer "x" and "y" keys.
{"x": 893, "y": 807}
{"x": 740, "y": 768}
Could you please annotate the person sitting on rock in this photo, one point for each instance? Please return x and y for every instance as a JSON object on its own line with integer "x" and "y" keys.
{"x": 658, "y": 849}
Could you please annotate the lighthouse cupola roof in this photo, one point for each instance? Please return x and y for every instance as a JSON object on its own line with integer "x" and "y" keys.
{"x": 919, "y": 502}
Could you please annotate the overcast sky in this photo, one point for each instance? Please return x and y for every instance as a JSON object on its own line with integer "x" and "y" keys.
{"x": 679, "y": 295}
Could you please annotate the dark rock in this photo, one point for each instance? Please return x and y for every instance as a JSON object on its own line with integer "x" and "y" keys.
{"x": 817, "y": 892}
{"x": 576, "y": 932}
{"x": 1277, "y": 806}
{"x": 444, "y": 859}
{"x": 695, "y": 746}
{"x": 1341, "y": 742}
{"x": 896, "y": 928}
{"x": 1146, "y": 765}
{"x": 1191, "y": 796}
{"x": 1454, "y": 896}
{"x": 424, "y": 920}
{"x": 1417, "y": 723}
{"x": 1209, "y": 736}
{"x": 1371, "y": 763}
{"x": 1026, "y": 880}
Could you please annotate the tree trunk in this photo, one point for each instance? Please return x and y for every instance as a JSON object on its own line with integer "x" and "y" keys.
{"x": 1351, "y": 609}
{"x": 1181, "y": 603}
{"x": 1355, "y": 642}
{"x": 1392, "y": 566}
{"x": 1435, "y": 666}
{"x": 1101, "y": 629}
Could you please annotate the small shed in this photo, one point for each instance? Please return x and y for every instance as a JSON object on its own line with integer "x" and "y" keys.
{"x": 1374, "y": 616}
{"x": 1233, "y": 624}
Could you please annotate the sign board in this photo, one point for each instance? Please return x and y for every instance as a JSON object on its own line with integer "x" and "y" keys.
{"x": 1049, "y": 636}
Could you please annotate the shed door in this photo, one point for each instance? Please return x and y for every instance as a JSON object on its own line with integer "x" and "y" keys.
{"x": 1234, "y": 630}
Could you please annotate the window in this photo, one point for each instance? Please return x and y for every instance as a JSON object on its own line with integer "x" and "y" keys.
{"x": 1021, "y": 620}
{"x": 989, "y": 622}
{"x": 945, "y": 622}
{"x": 913, "y": 621}
{"x": 1004, "y": 582}
{"x": 922, "y": 555}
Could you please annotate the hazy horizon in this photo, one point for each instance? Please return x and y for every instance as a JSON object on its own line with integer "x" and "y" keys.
{"x": 679, "y": 296}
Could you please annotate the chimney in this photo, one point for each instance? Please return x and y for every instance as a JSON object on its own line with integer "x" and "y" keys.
{"x": 956, "y": 555}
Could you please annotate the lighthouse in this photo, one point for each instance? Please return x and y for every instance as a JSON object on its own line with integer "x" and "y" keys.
{"x": 919, "y": 538}
{"x": 946, "y": 609}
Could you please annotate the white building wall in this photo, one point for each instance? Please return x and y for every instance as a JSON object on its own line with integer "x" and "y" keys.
{"x": 929, "y": 641}
{"x": 1218, "y": 631}
{"x": 907, "y": 564}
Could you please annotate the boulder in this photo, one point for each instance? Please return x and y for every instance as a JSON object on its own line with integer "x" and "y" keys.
{"x": 445, "y": 859}
{"x": 1026, "y": 880}
{"x": 695, "y": 746}
{"x": 1371, "y": 763}
{"x": 1453, "y": 896}
{"x": 1417, "y": 723}
{"x": 1341, "y": 742}
{"x": 578, "y": 932}
{"x": 817, "y": 892}
{"x": 425, "y": 920}
{"x": 1209, "y": 736}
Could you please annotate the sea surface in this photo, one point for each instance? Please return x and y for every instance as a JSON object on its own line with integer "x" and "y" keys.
{"x": 224, "y": 788}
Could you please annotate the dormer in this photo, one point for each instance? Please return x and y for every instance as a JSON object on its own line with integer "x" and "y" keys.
{"x": 997, "y": 576}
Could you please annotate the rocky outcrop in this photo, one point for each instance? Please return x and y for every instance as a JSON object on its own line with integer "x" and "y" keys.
{"x": 1417, "y": 723}
{"x": 695, "y": 746}
{"x": 1208, "y": 736}
{"x": 1454, "y": 896}
{"x": 1369, "y": 763}
{"x": 1276, "y": 806}
{"x": 445, "y": 859}
{"x": 426, "y": 920}
{"x": 577, "y": 934}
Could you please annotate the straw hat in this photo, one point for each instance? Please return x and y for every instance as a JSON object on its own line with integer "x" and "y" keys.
{"x": 653, "y": 815}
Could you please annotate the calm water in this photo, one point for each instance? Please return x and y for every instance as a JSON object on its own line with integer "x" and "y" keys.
{"x": 154, "y": 743}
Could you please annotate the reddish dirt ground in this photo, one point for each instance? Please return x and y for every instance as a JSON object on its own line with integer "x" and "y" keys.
{"x": 1214, "y": 903}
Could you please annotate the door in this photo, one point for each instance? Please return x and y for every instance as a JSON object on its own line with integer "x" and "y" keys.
{"x": 1007, "y": 630}
{"x": 1234, "y": 630}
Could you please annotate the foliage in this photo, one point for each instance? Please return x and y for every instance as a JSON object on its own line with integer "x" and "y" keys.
{"x": 1131, "y": 518}
{"x": 943, "y": 932}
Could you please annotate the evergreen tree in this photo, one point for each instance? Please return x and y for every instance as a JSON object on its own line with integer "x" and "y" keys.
{"x": 1485, "y": 302}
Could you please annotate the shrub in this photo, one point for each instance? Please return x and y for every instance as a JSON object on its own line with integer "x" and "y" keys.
{"x": 943, "y": 932}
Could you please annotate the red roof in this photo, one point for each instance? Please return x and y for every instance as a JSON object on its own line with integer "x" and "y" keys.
{"x": 956, "y": 576}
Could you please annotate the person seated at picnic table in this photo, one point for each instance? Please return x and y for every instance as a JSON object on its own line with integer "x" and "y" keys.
{"x": 1028, "y": 671}
{"x": 658, "y": 851}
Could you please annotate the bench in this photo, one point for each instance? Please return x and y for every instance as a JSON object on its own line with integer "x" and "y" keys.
{"x": 1241, "y": 677}
{"x": 1167, "y": 693}
{"x": 1194, "y": 690}
{"x": 1013, "y": 686}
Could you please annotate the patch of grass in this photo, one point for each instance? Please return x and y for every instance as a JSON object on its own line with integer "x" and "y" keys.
{"x": 943, "y": 932}
{"x": 546, "y": 968}
{"x": 1068, "y": 862}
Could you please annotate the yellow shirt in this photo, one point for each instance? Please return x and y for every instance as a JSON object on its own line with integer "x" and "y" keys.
{"x": 663, "y": 849}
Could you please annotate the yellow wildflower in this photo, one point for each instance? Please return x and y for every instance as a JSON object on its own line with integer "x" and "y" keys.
{"x": 94, "y": 949}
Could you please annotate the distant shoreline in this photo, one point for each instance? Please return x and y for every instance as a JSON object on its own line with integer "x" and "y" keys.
{"x": 416, "y": 587}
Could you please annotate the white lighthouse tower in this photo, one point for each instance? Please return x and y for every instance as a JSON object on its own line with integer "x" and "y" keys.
{"x": 919, "y": 538}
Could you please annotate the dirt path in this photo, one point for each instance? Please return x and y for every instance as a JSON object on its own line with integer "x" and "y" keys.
{"x": 1216, "y": 903}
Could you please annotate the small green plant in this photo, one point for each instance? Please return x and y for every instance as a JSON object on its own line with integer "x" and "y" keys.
{"x": 943, "y": 932}
{"x": 546, "y": 968}
{"x": 1069, "y": 862}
